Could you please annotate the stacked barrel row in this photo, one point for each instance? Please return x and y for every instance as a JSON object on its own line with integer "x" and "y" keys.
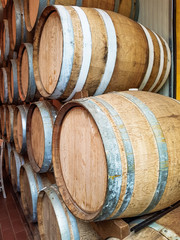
{"x": 29, "y": 183}
{"x": 87, "y": 118}
{"x": 93, "y": 146}
{"x": 89, "y": 49}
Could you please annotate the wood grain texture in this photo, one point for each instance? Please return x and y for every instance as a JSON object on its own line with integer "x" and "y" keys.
{"x": 51, "y": 211}
{"x": 19, "y": 130}
{"x": 16, "y": 162}
{"x": 164, "y": 67}
{"x": 25, "y": 72}
{"x": 178, "y": 50}
{"x": 4, "y": 85}
{"x": 7, "y": 154}
{"x": 5, "y": 40}
{"x": 4, "y": 3}
{"x": 30, "y": 185}
{"x": 13, "y": 36}
{"x": 113, "y": 228}
{"x": 3, "y": 119}
{"x": 89, "y": 133}
{"x": 40, "y": 121}
{"x": 17, "y": 29}
{"x": 9, "y": 122}
{"x": 139, "y": 154}
{"x": 33, "y": 9}
{"x": 37, "y": 137}
{"x": 156, "y": 63}
{"x": 51, "y": 38}
{"x": 13, "y": 82}
{"x": 100, "y": 52}
{"x": 26, "y": 83}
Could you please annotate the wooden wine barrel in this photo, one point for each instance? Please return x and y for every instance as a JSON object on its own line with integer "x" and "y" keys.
{"x": 19, "y": 128}
{"x": 98, "y": 51}
{"x": 13, "y": 82}
{"x": 5, "y": 40}
{"x": 26, "y": 82}
{"x": 40, "y": 122}
{"x": 61, "y": 224}
{"x": 9, "y": 122}
{"x": 16, "y": 162}
{"x": 166, "y": 228}
{"x": 4, "y": 85}
{"x": 3, "y": 119}
{"x": 1, "y": 41}
{"x": 17, "y": 28}
{"x": 12, "y": 54}
{"x": 33, "y": 9}
{"x": 7, "y": 157}
{"x": 1, "y": 12}
{"x": 4, "y": 3}
{"x": 116, "y": 155}
{"x": 30, "y": 185}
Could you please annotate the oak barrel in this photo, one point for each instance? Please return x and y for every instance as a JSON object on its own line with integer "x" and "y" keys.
{"x": 5, "y": 40}
{"x": 90, "y": 49}
{"x": 56, "y": 222}
{"x": 4, "y": 3}
{"x": 9, "y": 122}
{"x": 1, "y": 12}
{"x": 4, "y": 85}
{"x": 40, "y": 122}
{"x": 7, "y": 157}
{"x": 30, "y": 185}
{"x": 16, "y": 162}
{"x": 3, "y": 119}
{"x": 19, "y": 128}
{"x": 17, "y": 28}
{"x": 26, "y": 82}
{"x": 116, "y": 155}
{"x": 13, "y": 82}
{"x": 34, "y": 8}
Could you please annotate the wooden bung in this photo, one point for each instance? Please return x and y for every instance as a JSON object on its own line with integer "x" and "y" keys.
{"x": 3, "y": 119}
{"x": 19, "y": 128}
{"x": 100, "y": 52}
{"x": 9, "y": 122}
{"x": 30, "y": 185}
{"x": 40, "y": 122}
{"x": 13, "y": 82}
{"x": 17, "y": 28}
{"x": 26, "y": 83}
{"x": 7, "y": 157}
{"x": 17, "y": 161}
{"x": 116, "y": 155}
{"x": 56, "y": 222}
{"x": 33, "y": 8}
{"x": 4, "y": 85}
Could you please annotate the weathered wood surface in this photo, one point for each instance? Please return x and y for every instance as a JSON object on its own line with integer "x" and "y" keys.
{"x": 122, "y": 147}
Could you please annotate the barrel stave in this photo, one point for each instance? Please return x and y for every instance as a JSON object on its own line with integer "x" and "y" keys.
{"x": 139, "y": 142}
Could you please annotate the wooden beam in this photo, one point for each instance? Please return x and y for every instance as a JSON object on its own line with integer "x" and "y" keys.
{"x": 112, "y": 228}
